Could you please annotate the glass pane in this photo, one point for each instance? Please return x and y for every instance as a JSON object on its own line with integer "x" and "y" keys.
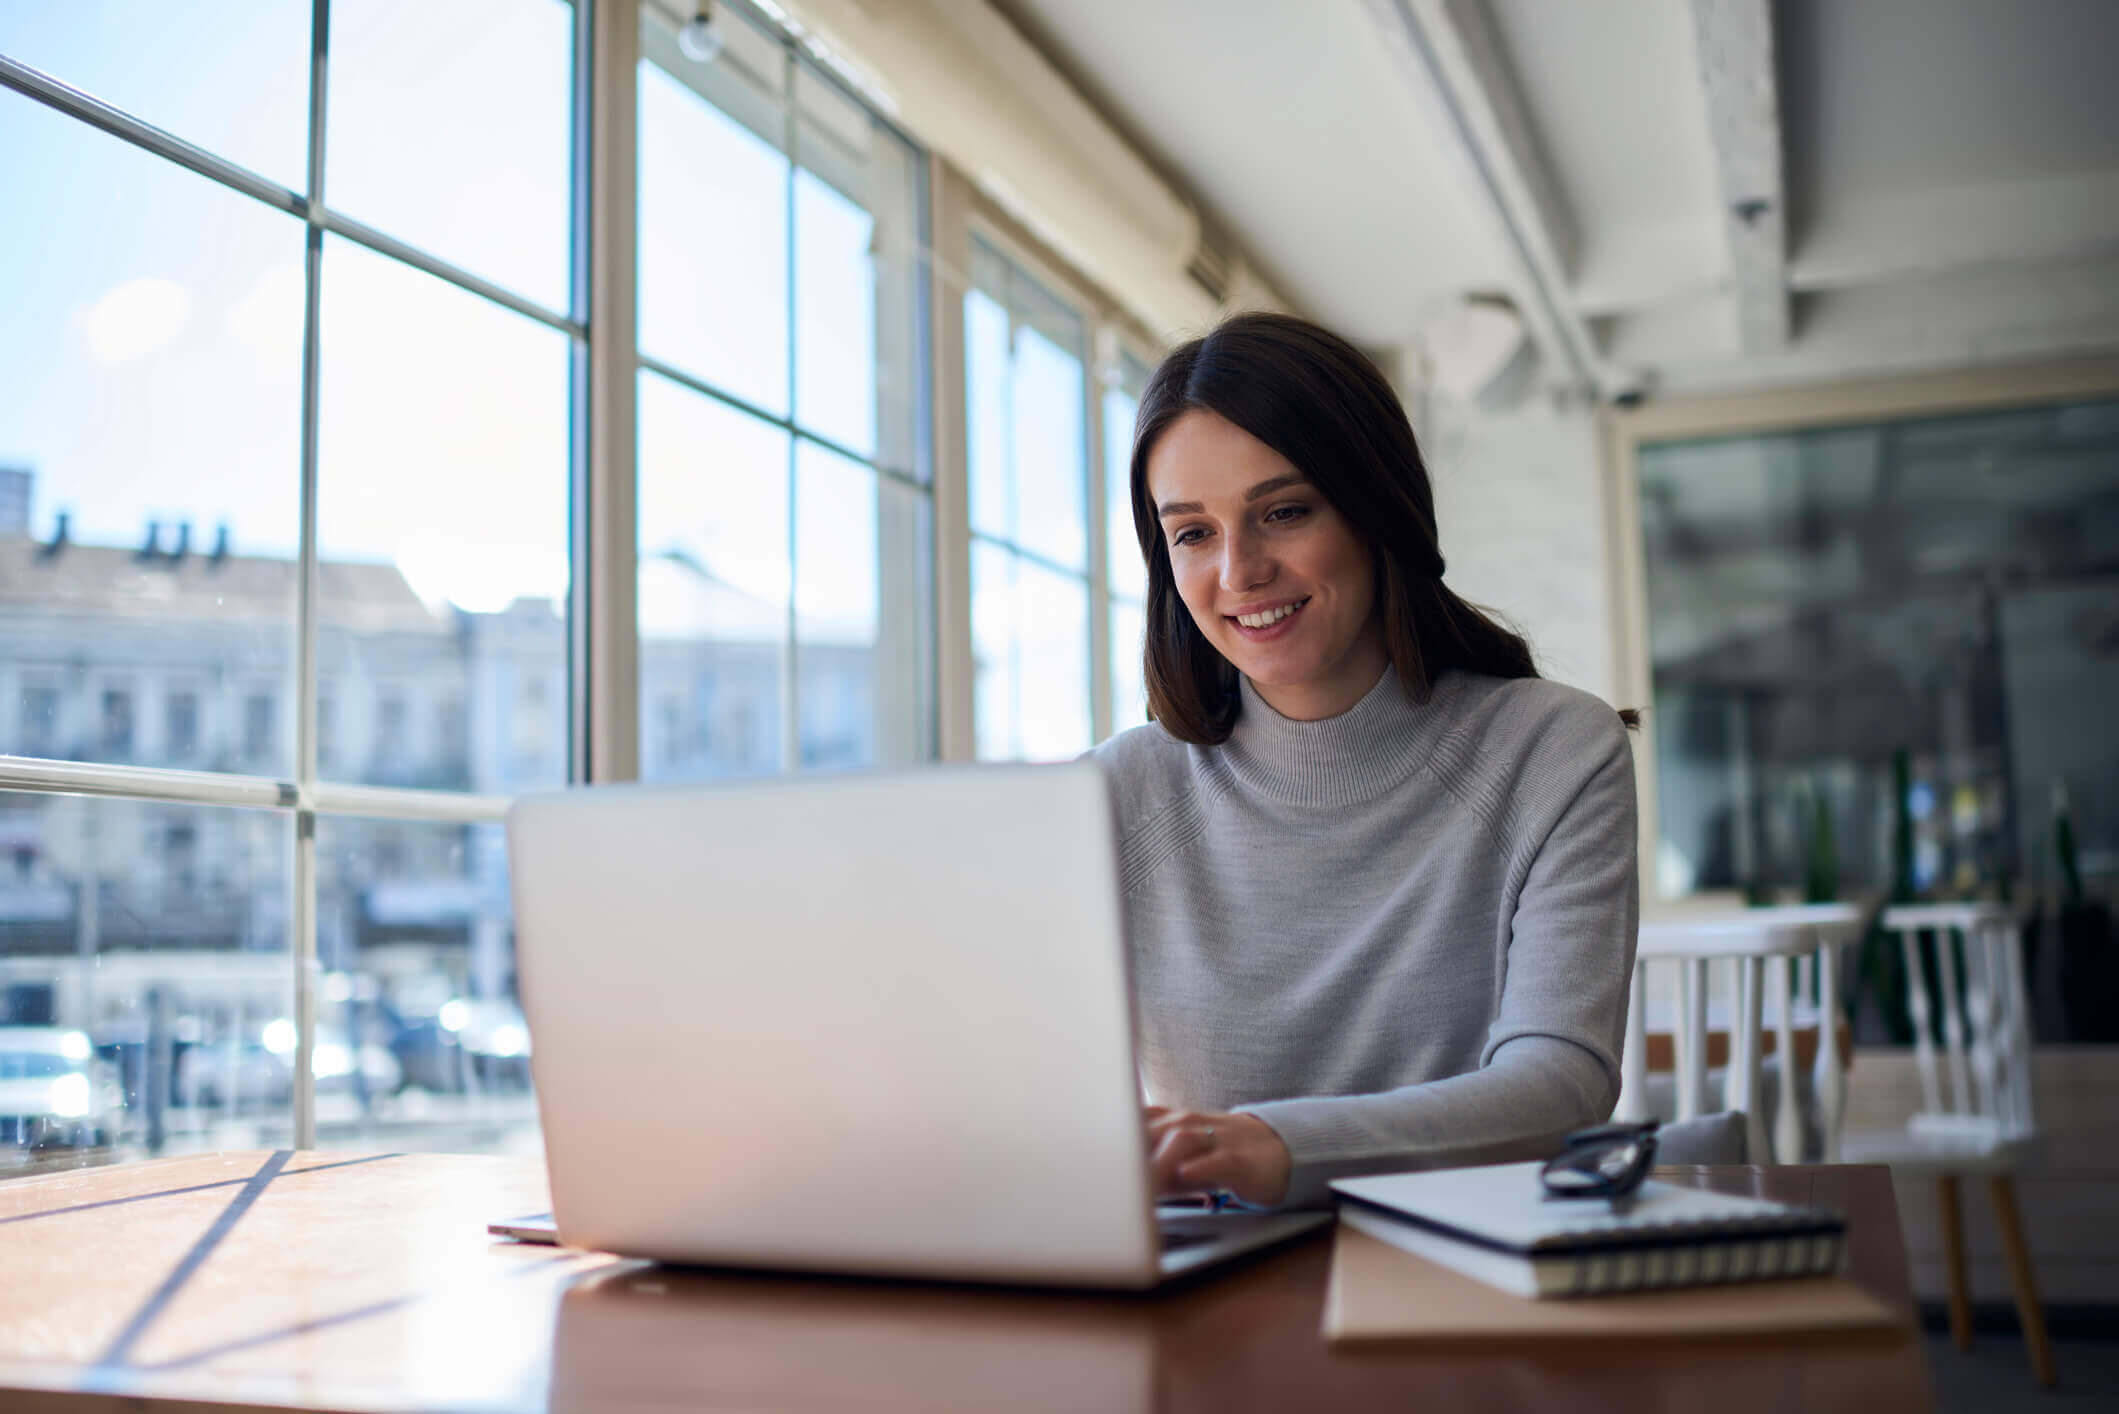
{"x": 231, "y": 76}
{"x": 995, "y": 651}
{"x": 857, "y": 325}
{"x": 1129, "y": 689}
{"x": 421, "y": 1042}
{"x": 1030, "y": 643}
{"x": 1050, "y": 449}
{"x": 1823, "y": 602}
{"x": 1055, "y": 663}
{"x": 713, "y": 214}
{"x": 714, "y": 579}
{"x": 835, "y": 316}
{"x": 146, "y": 991}
{"x": 1025, "y": 391}
{"x": 1127, "y": 575}
{"x": 442, "y": 523}
{"x": 863, "y": 658}
{"x": 150, "y": 426}
{"x": 986, "y": 415}
{"x": 449, "y": 128}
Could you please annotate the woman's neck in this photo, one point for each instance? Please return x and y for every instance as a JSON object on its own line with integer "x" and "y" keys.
{"x": 1334, "y": 694}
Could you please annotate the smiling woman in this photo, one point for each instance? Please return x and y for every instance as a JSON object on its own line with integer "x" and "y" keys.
{"x": 1379, "y": 876}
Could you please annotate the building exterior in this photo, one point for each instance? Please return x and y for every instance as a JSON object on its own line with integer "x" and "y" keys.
{"x": 181, "y": 654}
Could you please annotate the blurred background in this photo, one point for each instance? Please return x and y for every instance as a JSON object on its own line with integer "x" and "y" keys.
{"x": 405, "y": 404}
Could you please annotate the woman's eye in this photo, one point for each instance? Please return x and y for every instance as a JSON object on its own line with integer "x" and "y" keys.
{"x": 1187, "y": 535}
{"x": 1285, "y": 515}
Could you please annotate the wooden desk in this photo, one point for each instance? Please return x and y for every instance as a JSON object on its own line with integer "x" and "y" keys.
{"x": 366, "y": 1282}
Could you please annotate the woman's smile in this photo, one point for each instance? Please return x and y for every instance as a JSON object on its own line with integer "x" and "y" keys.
{"x": 1269, "y": 622}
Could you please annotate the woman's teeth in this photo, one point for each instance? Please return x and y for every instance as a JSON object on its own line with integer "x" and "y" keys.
{"x": 1270, "y": 616}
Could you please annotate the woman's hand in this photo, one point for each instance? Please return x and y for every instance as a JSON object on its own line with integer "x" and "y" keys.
{"x": 1193, "y": 1152}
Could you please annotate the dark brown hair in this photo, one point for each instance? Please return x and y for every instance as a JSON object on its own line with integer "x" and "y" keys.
{"x": 1319, "y": 402}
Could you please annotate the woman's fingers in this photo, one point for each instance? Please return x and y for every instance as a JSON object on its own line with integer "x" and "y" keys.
{"x": 1175, "y": 1145}
{"x": 1246, "y": 1158}
{"x": 1216, "y": 1168}
{"x": 1191, "y": 1151}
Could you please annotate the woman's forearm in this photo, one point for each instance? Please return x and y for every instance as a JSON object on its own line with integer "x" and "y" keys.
{"x": 1533, "y": 1090}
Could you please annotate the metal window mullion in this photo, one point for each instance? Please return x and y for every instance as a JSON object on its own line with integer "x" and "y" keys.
{"x": 581, "y": 101}
{"x": 1035, "y": 557}
{"x": 606, "y": 555}
{"x": 1011, "y": 511}
{"x": 64, "y": 98}
{"x": 1093, "y": 489}
{"x": 395, "y": 803}
{"x": 303, "y": 911}
{"x": 60, "y": 97}
{"x": 157, "y": 784}
{"x": 947, "y": 377}
{"x": 790, "y": 709}
{"x": 693, "y": 383}
{"x": 382, "y": 244}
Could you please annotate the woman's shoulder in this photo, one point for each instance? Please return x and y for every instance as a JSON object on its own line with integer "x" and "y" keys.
{"x": 1536, "y": 718}
{"x": 1148, "y": 770}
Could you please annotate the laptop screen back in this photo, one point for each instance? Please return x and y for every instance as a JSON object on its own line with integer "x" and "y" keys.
{"x": 871, "y": 1023}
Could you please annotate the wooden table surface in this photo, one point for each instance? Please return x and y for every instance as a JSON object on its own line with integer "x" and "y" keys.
{"x": 366, "y": 1282}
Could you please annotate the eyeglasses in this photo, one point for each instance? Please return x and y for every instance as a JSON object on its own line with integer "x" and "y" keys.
{"x": 1608, "y": 1161}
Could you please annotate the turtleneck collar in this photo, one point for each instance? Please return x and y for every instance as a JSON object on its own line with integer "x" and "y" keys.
{"x": 1343, "y": 760}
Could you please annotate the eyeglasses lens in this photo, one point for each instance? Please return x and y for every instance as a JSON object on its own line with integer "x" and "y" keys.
{"x": 1591, "y": 1169}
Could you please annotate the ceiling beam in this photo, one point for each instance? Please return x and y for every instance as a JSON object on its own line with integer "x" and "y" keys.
{"x": 1734, "y": 40}
{"x": 1867, "y": 238}
{"x": 1452, "y": 57}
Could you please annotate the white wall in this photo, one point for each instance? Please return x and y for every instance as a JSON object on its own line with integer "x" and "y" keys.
{"x": 1519, "y": 497}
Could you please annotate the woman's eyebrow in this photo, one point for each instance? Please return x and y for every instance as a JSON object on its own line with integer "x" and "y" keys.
{"x": 1263, "y": 488}
{"x": 1267, "y": 488}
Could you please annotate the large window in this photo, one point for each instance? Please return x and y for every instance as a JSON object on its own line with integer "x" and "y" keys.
{"x": 1834, "y": 610}
{"x": 305, "y": 441}
{"x": 785, "y": 503}
{"x": 286, "y": 468}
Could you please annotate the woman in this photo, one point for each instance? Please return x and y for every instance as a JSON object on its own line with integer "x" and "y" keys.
{"x": 1379, "y": 876}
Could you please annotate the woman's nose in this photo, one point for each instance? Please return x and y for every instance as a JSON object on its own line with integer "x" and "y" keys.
{"x": 1245, "y": 565}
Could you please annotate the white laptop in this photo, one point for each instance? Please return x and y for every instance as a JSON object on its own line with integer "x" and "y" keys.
{"x": 874, "y": 1024}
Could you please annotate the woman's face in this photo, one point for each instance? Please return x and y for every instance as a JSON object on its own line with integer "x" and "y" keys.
{"x": 1272, "y": 573}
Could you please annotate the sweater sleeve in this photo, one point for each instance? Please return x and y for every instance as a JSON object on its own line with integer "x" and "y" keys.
{"x": 1550, "y": 1063}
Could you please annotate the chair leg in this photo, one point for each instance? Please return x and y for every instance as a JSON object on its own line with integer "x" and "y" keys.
{"x": 1952, "y": 1214}
{"x": 2002, "y": 1189}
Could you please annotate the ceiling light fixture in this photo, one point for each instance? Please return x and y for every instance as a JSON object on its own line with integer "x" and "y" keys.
{"x": 701, "y": 37}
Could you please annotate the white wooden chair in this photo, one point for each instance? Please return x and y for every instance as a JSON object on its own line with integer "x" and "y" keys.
{"x": 1977, "y": 1116}
{"x": 1757, "y": 946}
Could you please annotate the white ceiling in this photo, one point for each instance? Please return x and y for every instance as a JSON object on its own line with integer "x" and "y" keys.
{"x": 1940, "y": 177}
{"x": 1216, "y": 104}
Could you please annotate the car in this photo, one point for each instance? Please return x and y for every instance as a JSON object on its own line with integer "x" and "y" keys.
{"x": 469, "y": 1043}
{"x": 51, "y": 1091}
{"x": 261, "y": 1072}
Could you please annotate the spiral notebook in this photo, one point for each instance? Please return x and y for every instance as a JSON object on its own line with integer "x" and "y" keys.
{"x": 1496, "y": 1225}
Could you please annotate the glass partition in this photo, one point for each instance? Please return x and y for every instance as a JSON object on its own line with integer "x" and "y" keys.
{"x": 1831, "y": 607}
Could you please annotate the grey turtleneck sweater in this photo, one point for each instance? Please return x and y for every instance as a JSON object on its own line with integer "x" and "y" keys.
{"x": 1400, "y": 936}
